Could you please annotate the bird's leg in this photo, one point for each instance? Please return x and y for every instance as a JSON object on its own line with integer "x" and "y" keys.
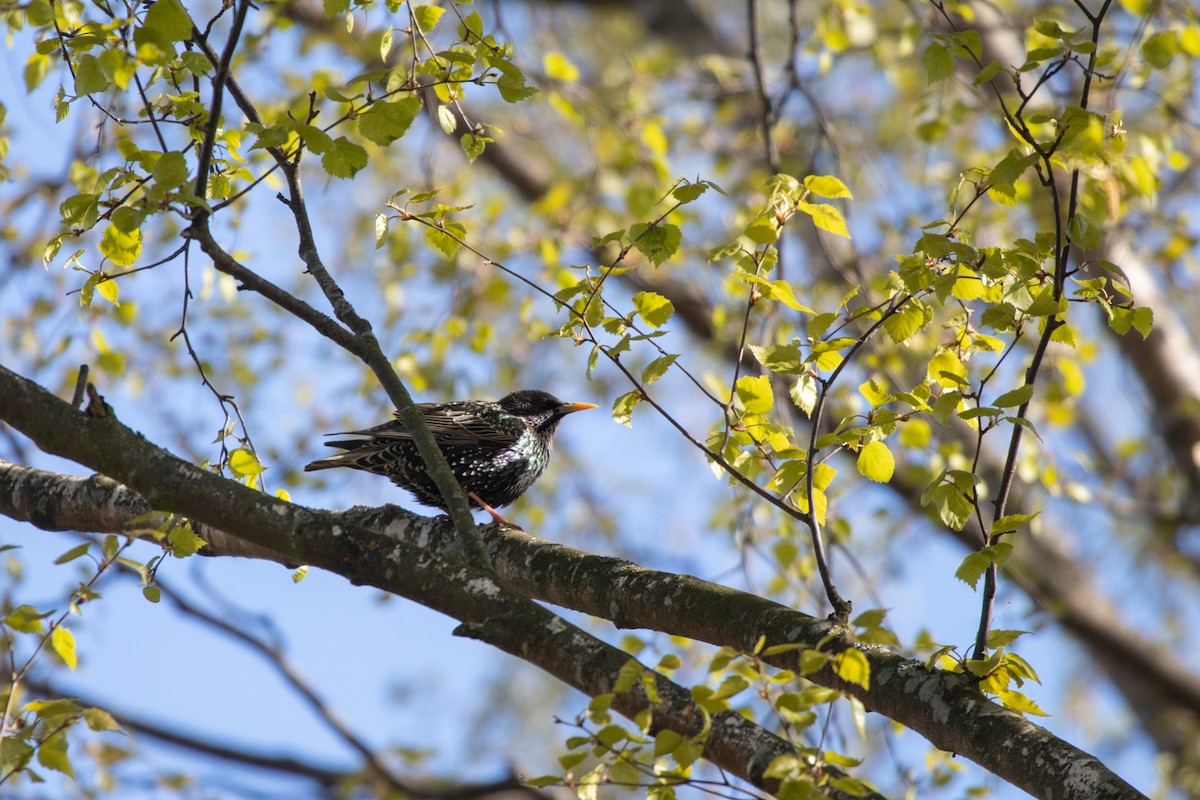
{"x": 497, "y": 518}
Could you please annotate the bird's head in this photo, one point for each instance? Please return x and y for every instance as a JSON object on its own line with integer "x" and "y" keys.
{"x": 540, "y": 409}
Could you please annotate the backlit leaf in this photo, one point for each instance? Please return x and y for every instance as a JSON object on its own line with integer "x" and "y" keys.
{"x": 755, "y": 394}
{"x": 653, "y": 308}
{"x": 852, "y": 666}
{"x": 876, "y": 462}
{"x": 63, "y": 643}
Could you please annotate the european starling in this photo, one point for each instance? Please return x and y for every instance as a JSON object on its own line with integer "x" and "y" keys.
{"x": 495, "y": 449}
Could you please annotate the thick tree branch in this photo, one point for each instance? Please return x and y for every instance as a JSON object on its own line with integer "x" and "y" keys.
{"x": 488, "y": 610}
{"x": 301, "y": 767}
{"x": 944, "y": 707}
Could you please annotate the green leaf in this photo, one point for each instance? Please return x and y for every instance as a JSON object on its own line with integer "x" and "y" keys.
{"x": 755, "y": 394}
{"x": 973, "y": 566}
{"x": 657, "y": 368}
{"x": 152, "y": 593}
{"x": 653, "y": 308}
{"x": 1020, "y": 703}
{"x": 687, "y": 192}
{"x": 559, "y": 68}
{"x": 120, "y": 247}
{"x": 344, "y": 158}
{"x": 427, "y": 16}
{"x": 184, "y": 542}
{"x": 623, "y": 408}
{"x": 782, "y": 291}
{"x": 1010, "y": 523}
{"x": 73, "y": 553}
{"x": 446, "y": 238}
{"x": 447, "y": 120}
{"x": 1003, "y": 638}
{"x": 875, "y": 394}
{"x": 57, "y": 707}
{"x": 905, "y": 323}
{"x": 732, "y": 685}
{"x": 245, "y": 463}
{"x": 384, "y": 122}
{"x": 52, "y": 754}
{"x": 946, "y": 369}
{"x": 667, "y": 741}
{"x": 826, "y": 186}
{"x": 871, "y": 618}
{"x": 987, "y": 73}
{"x": 952, "y": 506}
{"x": 825, "y": 217}
{"x": 1016, "y": 397}
{"x": 876, "y": 462}
{"x": 1160, "y": 48}
{"x": 852, "y": 666}
{"x": 569, "y": 760}
{"x": 785, "y": 359}
{"x": 381, "y": 229}
{"x": 512, "y": 85}
{"x": 171, "y": 170}
{"x": 109, "y": 290}
{"x": 89, "y": 77}
{"x": 1045, "y": 304}
{"x": 63, "y": 643}
{"x": 939, "y": 64}
{"x": 170, "y": 19}
{"x": 657, "y": 243}
{"x": 804, "y": 393}
{"x": 1143, "y": 320}
{"x": 100, "y": 720}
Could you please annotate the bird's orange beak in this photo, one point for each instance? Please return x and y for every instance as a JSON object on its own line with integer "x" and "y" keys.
{"x": 570, "y": 408}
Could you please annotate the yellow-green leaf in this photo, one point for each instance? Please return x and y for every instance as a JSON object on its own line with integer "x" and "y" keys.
{"x": 1020, "y": 703}
{"x": 1016, "y": 397}
{"x": 825, "y": 217}
{"x": 558, "y": 67}
{"x": 804, "y": 393}
{"x": 344, "y": 158}
{"x": 184, "y": 542}
{"x": 946, "y": 369}
{"x": 939, "y": 64}
{"x": 657, "y": 368}
{"x": 63, "y": 643}
{"x": 244, "y": 463}
{"x": 875, "y": 462}
{"x": 653, "y": 308}
{"x": 427, "y": 16}
{"x": 100, "y": 720}
{"x": 25, "y": 619}
{"x": 52, "y": 754}
{"x": 109, "y": 290}
{"x": 384, "y": 122}
{"x": 826, "y": 186}
{"x": 120, "y": 247}
{"x": 852, "y": 666}
{"x": 755, "y": 394}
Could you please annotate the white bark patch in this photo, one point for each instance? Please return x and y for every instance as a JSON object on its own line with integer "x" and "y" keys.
{"x": 485, "y": 587}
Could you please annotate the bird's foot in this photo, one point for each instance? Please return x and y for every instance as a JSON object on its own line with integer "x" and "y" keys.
{"x": 498, "y": 520}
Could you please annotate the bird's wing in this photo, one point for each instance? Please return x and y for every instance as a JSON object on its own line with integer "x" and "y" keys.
{"x": 450, "y": 424}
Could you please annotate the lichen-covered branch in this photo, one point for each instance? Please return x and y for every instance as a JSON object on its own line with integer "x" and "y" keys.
{"x": 372, "y": 549}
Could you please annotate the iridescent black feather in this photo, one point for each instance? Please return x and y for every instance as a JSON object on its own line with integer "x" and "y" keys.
{"x": 495, "y": 449}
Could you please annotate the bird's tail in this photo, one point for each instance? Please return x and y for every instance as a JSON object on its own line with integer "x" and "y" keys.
{"x": 340, "y": 460}
{"x": 357, "y": 450}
